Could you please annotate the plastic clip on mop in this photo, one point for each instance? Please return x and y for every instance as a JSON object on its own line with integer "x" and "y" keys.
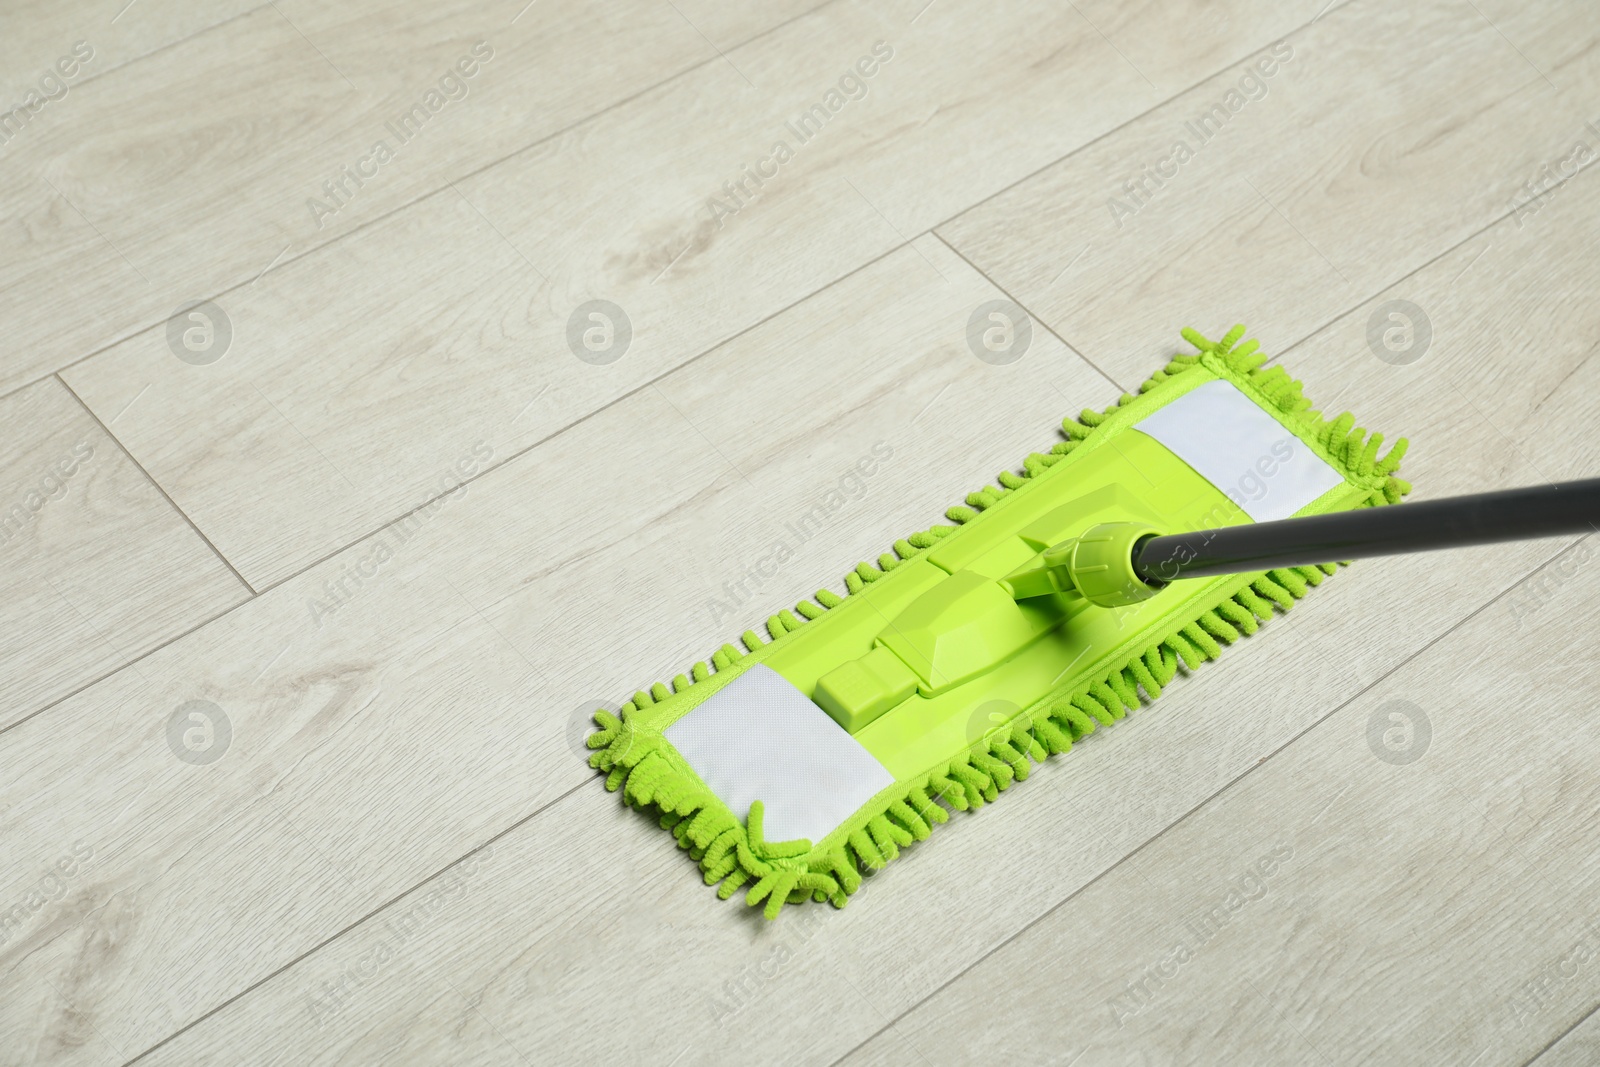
{"x": 1157, "y": 533}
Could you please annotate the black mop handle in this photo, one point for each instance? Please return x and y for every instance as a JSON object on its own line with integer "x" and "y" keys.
{"x": 1454, "y": 522}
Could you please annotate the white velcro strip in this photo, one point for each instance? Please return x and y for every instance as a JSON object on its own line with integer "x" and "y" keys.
{"x": 1240, "y": 449}
{"x": 760, "y": 738}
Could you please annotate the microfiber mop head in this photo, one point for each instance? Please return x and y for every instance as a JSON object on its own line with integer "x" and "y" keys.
{"x": 861, "y": 720}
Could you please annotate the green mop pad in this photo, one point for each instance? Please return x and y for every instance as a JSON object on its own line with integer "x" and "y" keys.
{"x": 800, "y": 760}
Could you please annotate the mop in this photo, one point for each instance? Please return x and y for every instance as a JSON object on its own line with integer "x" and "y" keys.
{"x": 1052, "y": 604}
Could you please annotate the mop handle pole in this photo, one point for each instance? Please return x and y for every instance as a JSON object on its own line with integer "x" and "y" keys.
{"x": 1453, "y": 522}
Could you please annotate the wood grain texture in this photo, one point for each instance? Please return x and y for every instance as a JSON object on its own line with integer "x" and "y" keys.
{"x": 1427, "y": 912}
{"x": 1391, "y": 134}
{"x": 1215, "y": 35}
{"x": 175, "y": 178}
{"x": 389, "y": 353}
{"x": 35, "y": 34}
{"x": 399, "y": 855}
{"x": 1581, "y": 1045}
{"x": 407, "y": 700}
{"x": 96, "y": 568}
{"x": 574, "y": 910}
{"x": 1434, "y": 912}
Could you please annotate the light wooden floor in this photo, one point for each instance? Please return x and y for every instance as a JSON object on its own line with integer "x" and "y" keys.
{"x": 397, "y": 536}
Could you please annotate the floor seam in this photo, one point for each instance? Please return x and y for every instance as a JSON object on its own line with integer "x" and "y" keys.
{"x": 1408, "y": 275}
{"x": 168, "y": 45}
{"x": 652, "y": 88}
{"x": 1563, "y": 1035}
{"x": 662, "y": 377}
{"x": 375, "y": 911}
{"x": 1206, "y": 802}
{"x": 1185, "y": 91}
{"x": 265, "y": 589}
{"x": 414, "y": 201}
{"x": 692, "y": 359}
{"x": 160, "y": 489}
{"x": 1048, "y": 328}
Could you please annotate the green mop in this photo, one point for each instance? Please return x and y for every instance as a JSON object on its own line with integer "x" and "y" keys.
{"x": 1053, "y": 604}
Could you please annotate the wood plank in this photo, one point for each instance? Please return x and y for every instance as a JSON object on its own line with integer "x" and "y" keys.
{"x": 352, "y": 36}
{"x": 382, "y": 726}
{"x": 97, "y": 566}
{"x": 1582, "y": 1044}
{"x": 34, "y": 34}
{"x": 1361, "y": 158}
{"x": 192, "y": 171}
{"x": 329, "y": 438}
{"x": 586, "y": 913}
{"x": 1567, "y": 53}
{"x": 1425, "y": 912}
{"x": 1390, "y": 936}
{"x": 1389, "y": 931}
{"x": 1215, "y": 36}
